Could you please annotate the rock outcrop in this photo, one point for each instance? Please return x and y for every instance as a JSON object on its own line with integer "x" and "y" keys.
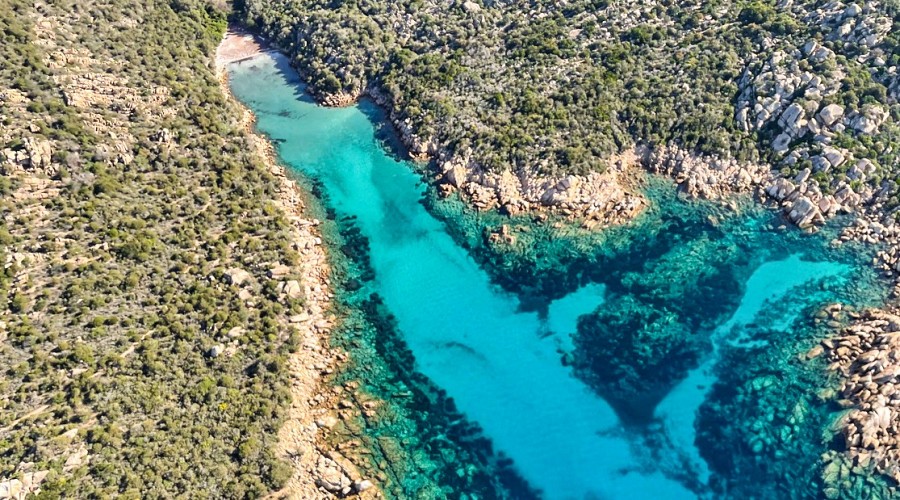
{"x": 790, "y": 86}
{"x": 236, "y": 276}
{"x": 598, "y": 198}
{"x": 706, "y": 177}
{"x": 867, "y": 355}
{"x": 20, "y": 489}
{"x": 34, "y": 155}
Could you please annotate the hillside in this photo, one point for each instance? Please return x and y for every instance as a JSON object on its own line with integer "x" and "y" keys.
{"x": 725, "y": 96}
{"x": 144, "y": 337}
{"x": 164, "y": 295}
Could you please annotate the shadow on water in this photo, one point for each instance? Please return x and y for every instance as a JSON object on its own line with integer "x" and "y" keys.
{"x": 385, "y": 134}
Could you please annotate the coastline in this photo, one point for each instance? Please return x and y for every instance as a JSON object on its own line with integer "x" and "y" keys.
{"x": 601, "y": 201}
{"x": 317, "y": 472}
{"x": 861, "y": 348}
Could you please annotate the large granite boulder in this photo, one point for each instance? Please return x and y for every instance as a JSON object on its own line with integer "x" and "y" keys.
{"x": 830, "y": 114}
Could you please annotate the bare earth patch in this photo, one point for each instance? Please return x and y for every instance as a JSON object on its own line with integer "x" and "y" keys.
{"x": 237, "y": 46}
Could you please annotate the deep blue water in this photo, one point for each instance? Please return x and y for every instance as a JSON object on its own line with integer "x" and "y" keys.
{"x": 502, "y": 365}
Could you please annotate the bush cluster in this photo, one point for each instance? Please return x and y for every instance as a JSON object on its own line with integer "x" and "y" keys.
{"x": 113, "y": 311}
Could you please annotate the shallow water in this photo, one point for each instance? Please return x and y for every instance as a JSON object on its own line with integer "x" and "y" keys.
{"x": 563, "y": 313}
{"x": 501, "y": 365}
{"x": 770, "y": 281}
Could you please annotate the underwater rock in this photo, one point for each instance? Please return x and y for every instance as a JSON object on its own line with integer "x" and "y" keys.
{"x": 633, "y": 354}
{"x": 755, "y": 442}
{"x": 843, "y": 480}
{"x": 503, "y": 235}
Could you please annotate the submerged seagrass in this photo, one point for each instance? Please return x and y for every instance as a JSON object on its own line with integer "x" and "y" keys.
{"x": 679, "y": 323}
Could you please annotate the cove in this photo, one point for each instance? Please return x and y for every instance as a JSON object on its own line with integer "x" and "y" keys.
{"x": 502, "y": 365}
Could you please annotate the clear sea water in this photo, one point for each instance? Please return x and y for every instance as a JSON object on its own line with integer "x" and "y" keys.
{"x": 502, "y": 364}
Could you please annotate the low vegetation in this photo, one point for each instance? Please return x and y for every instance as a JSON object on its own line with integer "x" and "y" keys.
{"x": 558, "y": 87}
{"x": 131, "y": 206}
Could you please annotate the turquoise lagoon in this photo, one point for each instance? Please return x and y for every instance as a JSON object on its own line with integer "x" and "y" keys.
{"x": 503, "y": 364}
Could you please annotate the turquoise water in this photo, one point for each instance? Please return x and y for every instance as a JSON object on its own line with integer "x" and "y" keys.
{"x": 563, "y": 313}
{"x": 770, "y": 281}
{"x": 503, "y": 366}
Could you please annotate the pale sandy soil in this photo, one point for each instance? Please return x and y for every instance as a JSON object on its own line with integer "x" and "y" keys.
{"x": 238, "y": 45}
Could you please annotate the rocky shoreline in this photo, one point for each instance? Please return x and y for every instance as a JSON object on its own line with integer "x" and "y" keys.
{"x": 866, "y": 354}
{"x": 611, "y": 197}
{"x": 602, "y": 200}
{"x": 318, "y": 472}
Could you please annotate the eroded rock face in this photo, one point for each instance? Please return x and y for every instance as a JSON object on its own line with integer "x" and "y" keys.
{"x": 782, "y": 188}
{"x": 869, "y": 119}
{"x": 38, "y": 153}
{"x": 471, "y": 7}
{"x": 164, "y": 136}
{"x": 341, "y": 99}
{"x": 332, "y": 477}
{"x": 781, "y": 143}
{"x": 456, "y": 175}
{"x": 804, "y": 212}
{"x": 336, "y": 475}
{"x": 830, "y": 114}
{"x": 293, "y": 289}
{"x": 793, "y": 120}
{"x": 20, "y": 489}
{"x": 834, "y": 156}
{"x": 236, "y": 276}
{"x": 597, "y": 197}
{"x": 707, "y": 177}
{"x": 34, "y": 155}
{"x": 840, "y": 195}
